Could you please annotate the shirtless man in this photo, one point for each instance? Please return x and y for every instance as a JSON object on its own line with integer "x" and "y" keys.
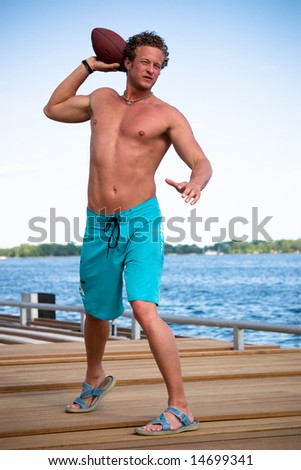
{"x": 130, "y": 134}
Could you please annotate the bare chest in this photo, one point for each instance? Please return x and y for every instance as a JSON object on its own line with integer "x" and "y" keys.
{"x": 138, "y": 122}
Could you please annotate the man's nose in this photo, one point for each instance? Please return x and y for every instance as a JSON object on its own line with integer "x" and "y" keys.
{"x": 150, "y": 68}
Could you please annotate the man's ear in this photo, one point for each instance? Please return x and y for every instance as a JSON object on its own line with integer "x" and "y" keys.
{"x": 127, "y": 63}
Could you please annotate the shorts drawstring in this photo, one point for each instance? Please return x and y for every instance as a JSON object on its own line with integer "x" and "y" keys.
{"x": 113, "y": 223}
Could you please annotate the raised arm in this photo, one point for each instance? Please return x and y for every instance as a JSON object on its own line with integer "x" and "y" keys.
{"x": 189, "y": 150}
{"x": 64, "y": 104}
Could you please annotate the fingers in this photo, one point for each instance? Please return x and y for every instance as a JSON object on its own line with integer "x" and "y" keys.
{"x": 190, "y": 191}
{"x": 171, "y": 182}
{"x": 191, "y": 195}
{"x": 100, "y": 66}
{"x": 178, "y": 186}
{"x": 109, "y": 67}
{"x": 112, "y": 67}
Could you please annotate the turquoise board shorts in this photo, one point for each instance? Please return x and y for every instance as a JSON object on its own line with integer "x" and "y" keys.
{"x": 129, "y": 247}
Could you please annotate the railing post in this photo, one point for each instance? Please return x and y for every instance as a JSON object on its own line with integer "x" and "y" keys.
{"x": 25, "y": 313}
{"x": 28, "y": 314}
{"x": 82, "y": 322}
{"x": 113, "y": 328}
{"x": 238, "y": 338}
{"x": 135, "y": 329}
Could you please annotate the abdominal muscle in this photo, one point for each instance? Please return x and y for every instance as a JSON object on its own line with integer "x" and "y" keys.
{"x": 118, "y": 182}
{"x": 111, "y": 198}
{"x": 127, "y": 146}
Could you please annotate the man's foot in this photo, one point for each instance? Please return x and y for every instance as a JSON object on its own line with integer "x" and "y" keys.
{"x": 171, "y": 421}
{"x": 90, "y": 396}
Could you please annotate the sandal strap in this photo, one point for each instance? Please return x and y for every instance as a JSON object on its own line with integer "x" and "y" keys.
{"x": 88, "y": 391}
{"x": 162, "y": 421}
{"x": 179, "y": 414}
{"x": 175, "y": 411}
{"x": 82, "y": 403}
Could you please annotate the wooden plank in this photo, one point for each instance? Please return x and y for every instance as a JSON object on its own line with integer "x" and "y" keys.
{"x": 33, "y": 334}
{"x": 22, "y": 354}
{"x": 211, "y": 435}
{"x": 15, "y": 339}
{"x": 43, "y": 413}
{"x": 66, "y": 375}
{"x": 123, "y": 347}
{"x": 119, "y": 355}
{"x": 25, "y": 329}
{"x": 54, "y": 323}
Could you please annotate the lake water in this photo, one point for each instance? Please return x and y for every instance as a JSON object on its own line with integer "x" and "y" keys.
{"x": 254, "y": 288}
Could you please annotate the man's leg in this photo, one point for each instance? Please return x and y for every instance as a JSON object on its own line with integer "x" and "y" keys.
{"x": 164, "y": 348}
{"x": 96, "y": 334}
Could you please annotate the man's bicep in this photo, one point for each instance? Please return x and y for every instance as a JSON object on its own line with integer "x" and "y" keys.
{"x": 184, "y": 142}
{"x": 74, "y": 109}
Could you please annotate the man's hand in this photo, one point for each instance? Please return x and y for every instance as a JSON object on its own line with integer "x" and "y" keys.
{"x": 99, "y": 66}
{"x": 190, "y": 191}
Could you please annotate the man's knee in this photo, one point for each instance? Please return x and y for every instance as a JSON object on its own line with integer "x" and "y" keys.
{"x": 98, "y": 322}
{"x": 144, "y": 311}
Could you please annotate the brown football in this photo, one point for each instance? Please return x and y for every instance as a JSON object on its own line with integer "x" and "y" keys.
{"x": 108, "y": 46}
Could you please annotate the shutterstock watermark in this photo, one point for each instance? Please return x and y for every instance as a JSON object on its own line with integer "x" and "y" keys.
{"x": 179, "y": 228}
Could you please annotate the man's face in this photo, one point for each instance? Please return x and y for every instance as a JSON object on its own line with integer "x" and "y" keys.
{"x": 146, "y": 67}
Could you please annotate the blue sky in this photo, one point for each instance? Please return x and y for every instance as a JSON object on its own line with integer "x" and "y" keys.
{"x": 234, "y": 72}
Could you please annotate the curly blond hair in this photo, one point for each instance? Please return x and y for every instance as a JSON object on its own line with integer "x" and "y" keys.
{"x": 146, "y": 38}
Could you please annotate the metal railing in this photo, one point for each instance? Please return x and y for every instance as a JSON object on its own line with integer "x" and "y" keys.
{"x": 28, "y": 311}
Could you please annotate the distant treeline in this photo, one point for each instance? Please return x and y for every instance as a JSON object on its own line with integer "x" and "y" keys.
{"x": 44, "y": 249}
{"x": 231, "y": 247}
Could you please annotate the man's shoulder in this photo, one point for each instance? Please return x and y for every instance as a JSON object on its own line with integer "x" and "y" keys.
{"x": 103, "y": 92}
{"x": 166, "y": 106}
{"x": 168, "y": 110}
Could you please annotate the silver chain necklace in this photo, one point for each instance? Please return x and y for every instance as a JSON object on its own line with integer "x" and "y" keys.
{"x": 129, "y": 102}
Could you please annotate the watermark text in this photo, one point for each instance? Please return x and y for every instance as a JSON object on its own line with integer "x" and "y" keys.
{"x": 139, "y": 229}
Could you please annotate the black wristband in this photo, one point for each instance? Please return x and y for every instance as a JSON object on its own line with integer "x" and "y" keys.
{"x": 87, "y": 66}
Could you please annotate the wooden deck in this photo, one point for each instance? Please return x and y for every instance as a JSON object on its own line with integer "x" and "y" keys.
{"x": 244, "y": 399}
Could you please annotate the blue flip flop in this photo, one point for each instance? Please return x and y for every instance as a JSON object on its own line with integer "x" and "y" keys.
{"x": 95, "y": 392}
{"x": 187, "y": 425}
